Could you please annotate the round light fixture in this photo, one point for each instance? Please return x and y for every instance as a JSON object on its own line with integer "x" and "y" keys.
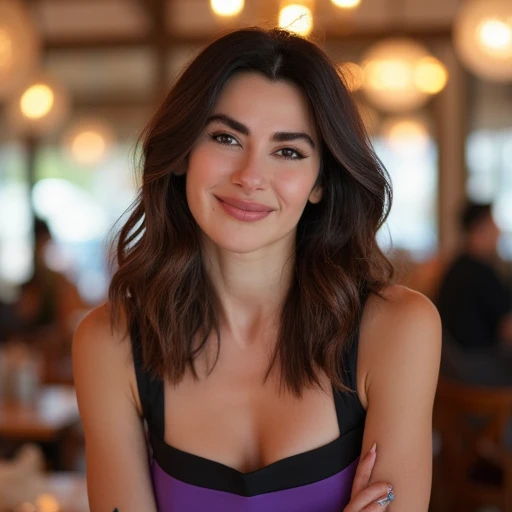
{"x": 400, "y": 75}
{"x": 346, "y": 4}
{"x": 482, "y": 37}
{"x": 227, "y": 7}
{"x": 297, "y": 18}
{"x": 39, "y": 108}
{"x": 87, "y": 142}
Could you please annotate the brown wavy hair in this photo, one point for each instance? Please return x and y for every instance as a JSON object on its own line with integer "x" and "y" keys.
{"x": 160, "y": 283}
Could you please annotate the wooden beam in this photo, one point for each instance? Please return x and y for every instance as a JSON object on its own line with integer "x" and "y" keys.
{"x": 118, "y": 101}
{"x": 363, "y": 35}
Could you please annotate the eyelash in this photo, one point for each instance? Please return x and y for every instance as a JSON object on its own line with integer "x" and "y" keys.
{"x": 216, "y": 136}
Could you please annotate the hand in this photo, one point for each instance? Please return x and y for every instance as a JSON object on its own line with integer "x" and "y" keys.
{"x": 365, "y": 497}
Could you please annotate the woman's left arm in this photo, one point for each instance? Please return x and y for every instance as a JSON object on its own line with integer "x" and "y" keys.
{"x": 399, "y": 355}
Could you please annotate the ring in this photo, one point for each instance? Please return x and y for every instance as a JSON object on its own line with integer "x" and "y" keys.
{"x": 388, "y": 499}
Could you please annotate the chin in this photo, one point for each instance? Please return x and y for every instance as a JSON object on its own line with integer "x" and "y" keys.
{"x": 239, "y": 241}
{"x": 239, "y": 244}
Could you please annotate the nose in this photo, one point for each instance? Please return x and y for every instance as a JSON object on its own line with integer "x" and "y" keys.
{"x": 250, "y": 175}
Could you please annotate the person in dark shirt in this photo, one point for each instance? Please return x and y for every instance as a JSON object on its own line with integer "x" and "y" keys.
{"x": 474, "y": 302}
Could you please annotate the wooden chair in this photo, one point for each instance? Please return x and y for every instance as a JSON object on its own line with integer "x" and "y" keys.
{"x": 474, "y": 467}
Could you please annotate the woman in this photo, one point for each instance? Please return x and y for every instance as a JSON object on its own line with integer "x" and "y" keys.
{"x": 251, "y": 322}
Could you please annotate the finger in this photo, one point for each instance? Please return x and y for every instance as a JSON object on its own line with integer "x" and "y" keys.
{"x": 381, "y": 504}
{"x": 368, "y": 497}
{"x": 364, "y": 471}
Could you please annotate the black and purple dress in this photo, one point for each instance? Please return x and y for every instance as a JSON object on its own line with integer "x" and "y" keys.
{"x": 319, "y": 480}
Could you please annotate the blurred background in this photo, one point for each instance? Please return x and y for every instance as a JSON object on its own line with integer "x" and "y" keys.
{"x": 78, "y": 81}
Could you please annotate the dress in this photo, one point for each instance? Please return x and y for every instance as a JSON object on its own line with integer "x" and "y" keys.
{"x": 319, "y": 480}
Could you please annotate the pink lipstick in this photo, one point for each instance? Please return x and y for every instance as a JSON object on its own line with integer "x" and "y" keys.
{"x": 245, "y": 211}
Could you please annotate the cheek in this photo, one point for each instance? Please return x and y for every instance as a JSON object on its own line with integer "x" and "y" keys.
{"x": 208, "y": 167}
{"x": 295, "y": 186}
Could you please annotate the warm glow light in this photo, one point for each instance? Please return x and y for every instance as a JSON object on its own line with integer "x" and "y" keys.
{"x": 37, "y": 101}
{"x": 227, "y": 7}
{"x": 296, "y": 18}
{"x": 47, "y": 503}
{"x": 388, "y": 75}
{"x": 352, "y": 76}
{"x": 430, "y": 75}
{"x": 406, "y": 133}
{"x": 495, "y": 35}
{"x": 346, "y": 4}
{"x": 482, "y": 37}
{"x": 88, "y": 147}
{"x": 400, "y": 75}
{"x": 6, "y": 51}
{"x": 88, "y": 141}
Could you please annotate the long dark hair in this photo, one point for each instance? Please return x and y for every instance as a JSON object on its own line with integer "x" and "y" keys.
{"x": 160, "y": 282}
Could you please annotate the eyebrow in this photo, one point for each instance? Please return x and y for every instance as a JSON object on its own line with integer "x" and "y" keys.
{"x": 277, "y": 137}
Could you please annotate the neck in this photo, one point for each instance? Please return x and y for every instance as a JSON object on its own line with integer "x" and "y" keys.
{"x": 250, "y": 288}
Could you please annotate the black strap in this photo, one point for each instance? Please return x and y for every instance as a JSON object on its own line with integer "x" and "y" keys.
{"x": 349, "y": 409}
{"x": 151, "y": 389}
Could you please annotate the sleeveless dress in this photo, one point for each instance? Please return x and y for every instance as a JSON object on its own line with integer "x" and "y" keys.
{"x": 318, "y": 480}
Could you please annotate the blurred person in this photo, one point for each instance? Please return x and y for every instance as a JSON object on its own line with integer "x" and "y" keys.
{"x": 475, "y": 302}
{"x": 252, "y": 324}
{"x": 45, "y": 310}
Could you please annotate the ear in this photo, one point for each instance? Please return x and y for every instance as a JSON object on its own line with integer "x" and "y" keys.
{"x": 316, "y": 194}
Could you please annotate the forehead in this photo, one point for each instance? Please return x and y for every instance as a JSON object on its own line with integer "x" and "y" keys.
{"x": 251, "y": 97}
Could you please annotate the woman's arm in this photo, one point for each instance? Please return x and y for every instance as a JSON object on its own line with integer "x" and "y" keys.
{"x": 118, "y": 475}
{"x": 400, "y": 349}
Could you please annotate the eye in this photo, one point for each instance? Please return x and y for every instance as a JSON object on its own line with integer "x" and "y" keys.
{"x": 290, "y": 154}
{"x": 224, "y": 138}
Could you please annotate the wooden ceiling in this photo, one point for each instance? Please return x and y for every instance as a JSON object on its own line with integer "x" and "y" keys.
{"x": 117, "y": 54}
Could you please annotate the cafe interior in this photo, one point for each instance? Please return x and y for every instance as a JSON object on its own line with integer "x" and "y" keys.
{"x": 79, "y": 80}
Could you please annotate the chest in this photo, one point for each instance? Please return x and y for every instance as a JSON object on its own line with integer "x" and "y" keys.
{"x": 238, "y": 418}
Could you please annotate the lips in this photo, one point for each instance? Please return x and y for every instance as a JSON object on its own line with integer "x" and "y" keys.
{"x": 247, "y": 206}
{"x": 244, "y": 211}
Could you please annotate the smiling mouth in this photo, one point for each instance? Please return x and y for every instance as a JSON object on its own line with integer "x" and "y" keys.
{"x": 245, "y": 205}
{"x": 244, "y": 211}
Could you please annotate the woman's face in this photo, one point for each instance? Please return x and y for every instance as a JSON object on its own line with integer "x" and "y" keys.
{"x": 254, "y": 168}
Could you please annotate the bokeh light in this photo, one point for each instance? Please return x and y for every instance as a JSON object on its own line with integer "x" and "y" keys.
{"x": 227, "y": 7}
{"x": 37, "y": 101}
{"x": 346, "y": 4}
{"x": 296, "y": 18}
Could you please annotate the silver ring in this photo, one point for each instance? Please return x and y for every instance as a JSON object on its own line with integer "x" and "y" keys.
{"x": 388, "y": 499}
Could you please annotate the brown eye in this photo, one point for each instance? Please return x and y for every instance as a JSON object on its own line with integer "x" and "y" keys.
{"x": 224, "y": 138}
{"x": 290, "y": 154}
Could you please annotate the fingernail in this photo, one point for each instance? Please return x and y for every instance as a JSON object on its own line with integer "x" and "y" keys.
{"x": 373, "y": 449}
{"x": 385, "y": 501}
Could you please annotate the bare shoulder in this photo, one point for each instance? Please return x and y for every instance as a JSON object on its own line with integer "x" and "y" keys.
{"x": 96, "y": 323}
{"x": 400, "y": 328}
{"x": 101, "y": 351}
{"x": 399, "y": 307}
{"x": 95, "y": 333}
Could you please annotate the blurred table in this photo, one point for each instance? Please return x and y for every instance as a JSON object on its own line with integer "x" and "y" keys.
{"x": 68, "y": 489}
{"x": 54, "y": 410}
{"x": 52, "y": 492}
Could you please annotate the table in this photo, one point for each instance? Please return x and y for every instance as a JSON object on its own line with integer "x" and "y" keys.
{"x": 62, "y": 492}
{"x": 68, "y": 489}
{"x": 54, "y": 410}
